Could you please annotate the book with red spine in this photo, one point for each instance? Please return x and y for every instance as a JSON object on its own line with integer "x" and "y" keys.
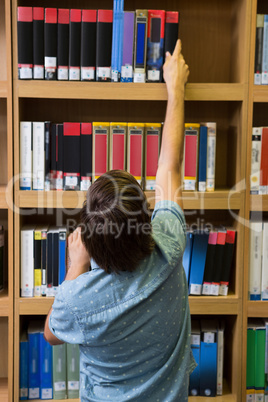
{"x": 50, "y": 44}
{"x": 135, "y": 160}
{"x": 118, "y": 146}
{"x": 88, "y": 45}
{"x": 75, "y": 44}
{"x": 38, "y": 43}
{"x": 25, "y": 43}
{"x": 86, "y": 156}
{"x": 63, "y": 43}
{"x": 190, "y": 162}
{"x": 71, "y": 157}
{"x": 152, "y": 150}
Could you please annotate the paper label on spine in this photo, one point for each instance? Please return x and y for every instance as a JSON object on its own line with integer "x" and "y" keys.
{"x": 150, "y": 185}
{"x": 25, "y": 73}
{"x": 126, "y": 72}
{"x": 87, "y": 73}
{"x": 264, "y": 78}
{"x": 209, "y": 337}
{"x": 251, "y": 397}
{"x": 115, "y": 75}
{"x": 51, "y": 62}
{"x": 74, "y": 74}
{"x": 34, "y": 393}
{"x": 23, "y": 392}
{"x": 189, "y": 184}
{"x": 73, "y": 385}
{"x": 38, "y": 72}
{"x": 223, "y": 290}
{"x": 46, "y": 393}
{"x": 139, "y": 77}
{"x": 71, "y": 181}
{"x": 85, "y": 184}
{"x": 215, "y": 288}
{"x": 195, "y": 339}
{"x": 257, "y": 79}
{"x": 153, "y": 75}
{"x": 195, "y": 289}
{"x": 206, "y": 289}
{"x": 202, "y": 186}
{"x": 63, "y": 73}
{"x": 104, "y": 72}
{"x": 60, "y": 386}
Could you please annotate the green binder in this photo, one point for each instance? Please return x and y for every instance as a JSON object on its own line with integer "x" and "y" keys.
{"x": 59, "y": 372}
{"x": 251, "y": 334}
{"x": 73, "y": 362}
{"x": 260, "y": 362}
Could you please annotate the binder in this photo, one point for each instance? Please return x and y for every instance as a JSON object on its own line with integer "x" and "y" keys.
{"x": 255, "y": 160}
{"x": 55, "y": 260}
{"x": 210, "y": 261}
{"x": 44, "y": 260}
{"x": 88, "y": 45}
{"x": 264, "y": 74}
{"x": 128, "y": 44}
{"x": 220, "y": 357}
{"x": 187, "y": 255}
{"x": 27, "y": 261}
{"x": 86, "y": 156}
{"x": 251, "y": 362}
{"x": 218, "y": 262}
{"x": 115, "y": 41}
{"x": 39, "y": 156}
{"x": 59, "y": 371}
{"x": 62, "y": 254}
{"x": 63, "y": 44}
{"x": 25, "y": 42}
{"x": 199, "y": 252}
{"x": 155, "y": 45}
{"x": 190, "y": 162}
{"x": 73, "y": 361}
{"x": 45, "y": 356}
{"x": 135, "y": 141}
{"x": 75, "y": 45}
{"x": 100, "y": 149}
{"x": 53, "y": 156}
{"x": 37, "y": 262}
{"x": 260, "y": 377}
{"x": 227, "y": 262}
{"x": 208, "y": 358}
{"x": 2, "y": 242}
{"x": 171, "y": 31}
{"x": 264, "y": 274}
{"x": 38, "y": 43}
{"x": 264, "y": 161}
{"x": 104, "y": 45}
{"x": 71, "y": 159}
{"x": 49, "y": 266}
{"x": 47, "y": 154}
{"x": 50, "y": 43}
{"x": 59, "y": 156}
{"x": 194, "y": 380}
{"x": 202, "y": 159}
{"x": 258, "y": 49}
{"x": 34, "y": 360}
{"x": 140, "y": 45}
{"x": 25, "y": 155}
{"x": 118, "y": 146}
{"x": 211, "y": 154}
{"x": 24, "y": 367}
{"x": 152, "y": 150}
{"x": 255, "y": 262}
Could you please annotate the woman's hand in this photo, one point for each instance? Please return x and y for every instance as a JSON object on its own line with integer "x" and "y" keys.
{"x": 79, "y": 257}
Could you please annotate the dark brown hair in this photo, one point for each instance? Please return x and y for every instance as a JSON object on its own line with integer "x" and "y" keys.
{"x": 116, "y": 224}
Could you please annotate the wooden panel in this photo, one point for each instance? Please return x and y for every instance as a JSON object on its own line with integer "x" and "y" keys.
{"x": 3, "y": 202}
{"x": 4, "y": 348}
{"x": 257, "y": 309}
{"x": 4, "y": 304}
{"x": 3, "y": 64}
{"x": 3, "y": 390}
{"x": 3, "y": 89}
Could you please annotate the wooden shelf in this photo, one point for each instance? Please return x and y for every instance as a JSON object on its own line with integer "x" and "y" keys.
{"x": 258, "y": 309}
{"x": 4, "y": 304}
{"x": 3, "y": 202}
{"x": 221, "y": 199}
{"x": 260, "y": 93}
{"x": 125, "y": 91}
{"x": 3, "y": 89}
{"x": 3, "y": 390}
{"x": 259, "y": 202}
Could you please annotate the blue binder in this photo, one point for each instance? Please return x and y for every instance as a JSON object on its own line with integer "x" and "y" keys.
{"x": 202, "y": 158}
{"x": 198, "y": 261}
{"x": 62, "y": 254}
{"x": 186, "y": 260}
{"x": 45, "y": 360}
{"x": 34, "y": 367}
{"x": 24, "y": 367}
{"x": 194, "y": 381}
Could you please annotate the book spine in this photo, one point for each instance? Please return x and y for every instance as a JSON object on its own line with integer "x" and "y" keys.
{"x": 255, "y": 160}
{"x": 25, "y": 42}
{"x": 171, "y": 31}
{"x": 227, "y": 262}
{"x": 209, "y": 266}
{"x": 251, "y": 361}
{"x": 258, "y": 49}
{"x": 200, "y": 244}
{"x": 27, "y": 266}
{"x": 120, "y": 37}
{"x": 71, "y": 159}
{"x": 53, "y": 157}
{"x": 38, "y": 43}
{"x": 59, "y": 371}
{"x": 115, "y": 40}
{"x": 39, "y": 156}
{"x": 187, "y": 255}
{"x": 264, "y": 74}
{"x": 260, "y": 364}
{"x": 194, "y": 380}
{"x": 45, "y": 353}
{"x": 75, "y": 45}
{"x": 86, "y": 156}
{"x": 135, "y": 145}
{"x": 220, "y": 354}
{"x": 50, "y": 43}
{"x": 100, "y": 149}
{"x": 128, "y": 43}
{"x": 104, "y": 45}
{"x": 264, "y": 276}
{"x": 155, "y": 45}
{"x": 152, "y": 150}
{"x": 118, "y": 142}
{"x": 73, "y": 358}
{"x": 208, "y": 366}
{"x": 2, "y": 243}
{"x": 37, "y": 263}
{"x": 202, "y": 158}
{"x": 190, "y": 162}
{"x": 62, "y": 255}
{"x": 63, "y": 44}
{"x": 55, "y": 261}
{"x": 88, "y": 45}
{"x": 47, "y": 154}
{"x": 49, "y": 267}
{"x": 34, "y": 366}
{"x": 218, "y": 263}
{"x": 25, "y": 155}
{"x": 140, "y": 45}
{"x": 59, "y": 156}
{"x": 264, "y": 161}
{"x": 44, "y": 262}
{"x": 24, "y": 370}
{"x": 211, "y": 156}
{"x": 255, "y": 261}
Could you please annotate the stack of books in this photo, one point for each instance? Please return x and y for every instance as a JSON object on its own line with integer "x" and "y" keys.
{"x": 259, "y": 161}
{"x": 208, "y": 259}
{"x": 257, "y": 360}
{"x": 46, "y": 371}
{"x": 207, "y": 344}
{"x": 258, "y": 263}
{"x": 101, "y": 45}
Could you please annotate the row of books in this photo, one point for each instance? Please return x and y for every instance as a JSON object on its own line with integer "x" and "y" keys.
{"x": 43, "y": 259}
{"x": 2, "y": 243}
{"x": 208, "y": 259}
{"x": 257, "y": 360}
{"x": 261, "y": 51}
{"x": 207, "y": 344}
{"x": 70, "y": 156}
{"x": 102, "y": 45}
{"x": 258, "y": 264}
{"x": 47, "y": 371}
{"x": 259, "y": 162}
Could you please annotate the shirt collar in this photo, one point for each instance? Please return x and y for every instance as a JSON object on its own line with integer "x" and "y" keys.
{"x": 93, "y": 264}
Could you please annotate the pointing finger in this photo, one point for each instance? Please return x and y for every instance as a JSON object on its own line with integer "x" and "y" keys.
{"x": 177, "y": 49}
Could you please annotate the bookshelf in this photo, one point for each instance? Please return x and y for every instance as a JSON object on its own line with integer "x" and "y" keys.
{"x": 216, "y": 42}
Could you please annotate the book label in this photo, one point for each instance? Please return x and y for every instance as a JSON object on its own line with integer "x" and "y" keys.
{"x": 51, "y": 63}
{"x": 23, "y": 393}
{"x": 257, "y": 79}
{"x": 25, "y": 72}
{"x": 85, "y": 183}
{"x": 126, "y": 73}
{"x": 87, "y": 73}
{"x": 34, "y": 393}
{"x": 202, "y": 186}
{"x": 46, "y": 393}
{"x": 115, "y": 76}
{"x": 189, "y": 184}
{"x": 224, "y": 289}
{"x": 195, "y": 289}
{"x": 153, "y": 75}
{"x": 25, "y": 183}
{"x": 71, "y": 181}
{"x": 139, "y": 77}
{"x": 60, "y": 386}
{"x": 62, "y": 73}
{"x": 74, "y": 73}
{"x": 215, "y": 289}
{"x": 150, "y": 184}
{"x": 104, "y": 72}
{"x": 73, "y": 385}
{"x": 206, "y": 289}
{"x": 38, "y": 72}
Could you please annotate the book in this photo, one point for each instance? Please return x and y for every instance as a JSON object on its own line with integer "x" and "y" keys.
{"x": 264, "y": 273}
{"x": 88, "y": 45}
{"x": 208, "y": 358}
{"x": 59, "y": 371}
{"x": 38, "y": 43}
{"x": 86, "y": 156}
{"x": 59, "y": 157}
{"x": 258, "y": 49}
{"x": 211, "y": 154}
{"x": 71, "y": 158}
{"x": 101, "y": 133}
{"x": 53, "y": 157}
{"x": 255, "y": 260}
{"x": 104, "y": 45}
{"x": 152, "y": 150}
{"x": 155, "y": 45}
{"x": 209, "y": 266}
{"x": 44, "y": 260}
{"x": 50, "y": 43}
{"x": 264, "y": 72}
{"x": 264, "y": 160}
{"x": 220, "y": 357}
{"x": 73, "y": 362}
{"x": 135, "y": 144}
{"x": 25, "y": 42}
{"x": 202, "y": 159}
{"x": 75, "y": 45}
{"x": 55, "y": 259}
{"x": 117, "y": 40}
{"x": 255, "y": 160}
{"x": 25, "y": 155}
{"x": 260, "y": 377}
{"x": 37, "y": 261}
{"x": 199, "y": 252}
{"x": 190, "y": 160}
{"x": 34, "y": 329}
{"x": 62, "y": 253}
{"x": 187, "y": 255}
{"x": 63, "y": 43}
{"x": 227, "y": 261}
{"x": 27, "y": 262}
{"x": 47, "y": 154}
{"x": 45, "y": 361}
{"x": 118, "y": 146}
{"x": 2, "y": 243}
{"x": 49, "y": 261}
{"x": 251, "y": 361}
{"x": 140, "y": 45}
{"x": 194, "y": 380}
{"x": 171, "y": 31}
{"x": 24, "y": 366}
{"x": 38, "y": 155}
{"x": 218, "y": 262}
{"x": 128, "y": 44}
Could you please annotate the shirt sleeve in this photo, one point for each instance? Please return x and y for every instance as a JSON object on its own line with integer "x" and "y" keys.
{"x": 169, "y": 228}
{"x": 63, "y": 322}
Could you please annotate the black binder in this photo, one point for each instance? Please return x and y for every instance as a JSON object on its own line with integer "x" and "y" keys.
{"x": 63, "y": 44}
{"x": 50, "y": 43}
{"x": 88, "y": 45}
{"x": 171, "y": 30}
{"x": 86, "y": 156}
{"x": 71, "y": 158}
{"x": 75, "y": 44}
{"x": 25, "y": 42}
{"x": 104, "y": 45}
{"x": 38, "y": 43}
